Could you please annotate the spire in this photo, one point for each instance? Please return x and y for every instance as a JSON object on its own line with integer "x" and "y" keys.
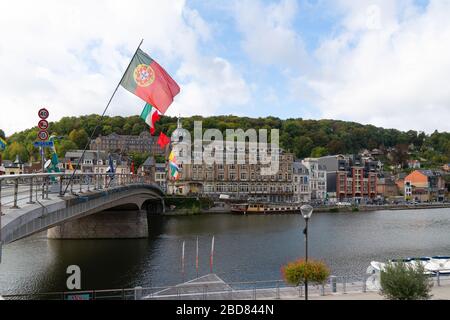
{"x": 179, "y": 126}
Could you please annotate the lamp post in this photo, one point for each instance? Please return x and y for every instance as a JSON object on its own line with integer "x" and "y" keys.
{"x": 307, "y": 211}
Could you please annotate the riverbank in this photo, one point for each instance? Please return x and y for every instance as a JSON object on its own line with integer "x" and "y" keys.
{"x": 196, "y": 209}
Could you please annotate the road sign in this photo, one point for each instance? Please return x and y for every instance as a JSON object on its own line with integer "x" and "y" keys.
{"x": 43, "y": 113}
{"x": 43, "y": 135}
{"x": 45, "y": 144}
{"x": 43, "y": 124}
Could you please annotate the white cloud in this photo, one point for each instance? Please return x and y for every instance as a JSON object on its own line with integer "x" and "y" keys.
{"x": 69, "y": 57}
{"x": 390, "y": 66}
{"x": 268, "y": 34}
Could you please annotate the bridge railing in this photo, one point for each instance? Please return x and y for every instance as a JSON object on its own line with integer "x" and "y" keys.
{"x": 19, "y": 190}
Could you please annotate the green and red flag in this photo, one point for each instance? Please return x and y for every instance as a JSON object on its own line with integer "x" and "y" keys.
{"x": 150, "y": 115}
{"x": 150, "y": 82}
{"x": 163, "y": 140}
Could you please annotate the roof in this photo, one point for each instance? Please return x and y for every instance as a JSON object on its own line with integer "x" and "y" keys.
{"x": 150, "y": 161}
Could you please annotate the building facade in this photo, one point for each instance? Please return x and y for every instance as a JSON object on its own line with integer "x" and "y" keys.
{"x": 236, "y": 181}
{"x": 95, "y": 162}
{"x": 424, "y": 185}
{"x": 300, "y": 183}
{"x": 352, "y": 178}
{"x": 114, "y": 142}
{"x": 317, "y": 179}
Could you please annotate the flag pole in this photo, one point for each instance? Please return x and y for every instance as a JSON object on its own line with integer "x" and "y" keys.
{"x": 101, "y": 118}
{"x": 182, "y": 261}
{"x": 211, "y": 259}
{"x": 196, "y": 259}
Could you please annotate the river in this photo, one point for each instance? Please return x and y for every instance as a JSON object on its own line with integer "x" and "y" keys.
{"x": 247, "y": 248}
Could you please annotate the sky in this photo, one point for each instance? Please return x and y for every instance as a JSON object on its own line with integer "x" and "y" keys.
{"x": 379, "y": 62}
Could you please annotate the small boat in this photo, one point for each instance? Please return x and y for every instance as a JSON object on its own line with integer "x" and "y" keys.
{"x": 433, "y": 266}
{"x": 259, "y": 208}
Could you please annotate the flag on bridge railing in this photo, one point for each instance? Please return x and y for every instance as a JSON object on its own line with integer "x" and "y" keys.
{"x": 150, "y": 115}
{"x": 163, "y": 140}
{"x": 111, "y": 167}
{"x": 2, "y": 144}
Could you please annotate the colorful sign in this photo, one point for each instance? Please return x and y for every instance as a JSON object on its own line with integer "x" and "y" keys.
{"x": 45, "y": 144}
{"x": 43, "y": 124}
{"x": 84, "y": 296}
{"x": 43, "y": 135}
{"x": 43, "y": 113}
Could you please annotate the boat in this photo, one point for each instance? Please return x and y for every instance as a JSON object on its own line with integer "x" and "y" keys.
{"x": 433, "y": 266}
{"x": 260, "y": 208}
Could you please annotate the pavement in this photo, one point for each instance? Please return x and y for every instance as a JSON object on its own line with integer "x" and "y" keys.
{"x": 212, "y": 287}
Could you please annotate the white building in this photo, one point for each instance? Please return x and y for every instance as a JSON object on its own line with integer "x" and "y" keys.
{"x": 317, "y": 179}
{"x": 302, "y": 192}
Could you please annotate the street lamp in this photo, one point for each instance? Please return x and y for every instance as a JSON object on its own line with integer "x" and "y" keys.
{"x": 307, "y": 211}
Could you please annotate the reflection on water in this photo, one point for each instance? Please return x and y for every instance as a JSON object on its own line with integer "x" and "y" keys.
{"x": 247, "y": 248}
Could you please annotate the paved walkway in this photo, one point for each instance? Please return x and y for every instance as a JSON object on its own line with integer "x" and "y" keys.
{"x": 212, "y": 287}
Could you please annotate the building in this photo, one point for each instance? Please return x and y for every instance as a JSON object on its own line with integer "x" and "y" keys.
{"x": 424, "y": 186}
{"x": 13, "y": 167}
{"x": 317, "y": 179}
{"x": 232, "y": 180}
{"x": 95, "y": 162}
{"x": 114, "y": 142}
{"x": 161, "y": 176}
{"x": 157, "y": 172}
{"x": 300, "y": 183}
{"x": 351, "y": 178}
{"x": 414, "y": 164}
{"x": 386, "y": 186}
{"x": 446, "y": 167}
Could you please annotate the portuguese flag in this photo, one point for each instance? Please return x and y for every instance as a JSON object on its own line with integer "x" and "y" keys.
{"x": 150, "y": 82}
{"x": 150, "y": 115}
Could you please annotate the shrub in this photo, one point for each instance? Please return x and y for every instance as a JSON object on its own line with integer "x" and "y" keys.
{"x": 401, "y": 281}
{"x": 297, "y": 272}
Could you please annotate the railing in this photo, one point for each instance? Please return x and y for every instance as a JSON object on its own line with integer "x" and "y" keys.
{"x": 254, "y": 290}
{"x": 19, "y": 190}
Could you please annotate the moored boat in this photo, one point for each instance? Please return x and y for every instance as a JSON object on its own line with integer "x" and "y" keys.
{"x": 259, "y": 208}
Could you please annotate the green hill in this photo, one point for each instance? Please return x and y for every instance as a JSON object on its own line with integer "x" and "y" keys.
{"x": 302, "y": 137}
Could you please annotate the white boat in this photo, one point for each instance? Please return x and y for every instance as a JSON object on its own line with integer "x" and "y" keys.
{"x": 432, "y": 266}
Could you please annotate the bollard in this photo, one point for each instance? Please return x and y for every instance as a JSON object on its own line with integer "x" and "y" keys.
{"x": 31, "y": 192}
{"x": 333, "y": 284}
{"x": 344, "y": 284}
{"x": 46, "y": 187}
{"x": 16, "y": 191}
{"x": 137, "y": 293}
{"x": 61, "y": 186}
{"x": 278, "y": 291}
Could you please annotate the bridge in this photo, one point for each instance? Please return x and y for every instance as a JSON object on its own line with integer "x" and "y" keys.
{"x": 94, "y": 206}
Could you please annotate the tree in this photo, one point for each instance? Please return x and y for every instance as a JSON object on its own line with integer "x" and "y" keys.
{"x": 318, "y": 152}
{"x": 295, "y": 273}
{"x": 15, "y": 149}
{"x": 401, "y": 281}
{"x": 64, "y": 146}
{"x": 79, "y": 137}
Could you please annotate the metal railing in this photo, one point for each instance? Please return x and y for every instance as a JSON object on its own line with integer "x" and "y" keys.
{"x": 252, "y": 290}
{"x": 19, "y": 190}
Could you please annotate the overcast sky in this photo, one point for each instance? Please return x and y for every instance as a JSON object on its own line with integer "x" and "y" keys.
{"x": 385, "y": 63}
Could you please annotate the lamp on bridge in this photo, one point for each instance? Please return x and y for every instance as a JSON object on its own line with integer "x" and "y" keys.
{"x": 307, "y": 211}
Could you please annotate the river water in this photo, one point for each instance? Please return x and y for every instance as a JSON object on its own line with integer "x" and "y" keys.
{"x": 247, "y": 248}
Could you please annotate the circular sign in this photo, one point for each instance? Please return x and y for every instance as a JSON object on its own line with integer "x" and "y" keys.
{"x": 43, "y": 124}
{"x": 43, "y": 113}
{"x": 43, "y": 135}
